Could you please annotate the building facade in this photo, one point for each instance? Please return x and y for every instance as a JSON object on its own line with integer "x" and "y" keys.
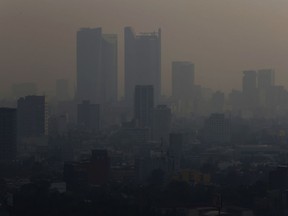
{"x": 8, "y": 134}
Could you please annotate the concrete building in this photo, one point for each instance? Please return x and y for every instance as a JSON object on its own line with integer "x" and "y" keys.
{"x": 96, "y": 66}
{"x": 143, "y": 105}
{"x": 8, "y": 134}
{"x": 142, "y": 62}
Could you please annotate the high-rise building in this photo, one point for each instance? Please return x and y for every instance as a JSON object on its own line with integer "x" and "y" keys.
{"x": 89, "y": 116}
{"x": 249, "y": 89}
{"x": 8, "y": 134}
{"x": 182, "y": 80}
{"x": 266, "y": 79}
{"x": 96, "y": 66}
{"x": 142, "y": 62}
{"x": 143, "y": 105}
{"x": 32, "y": 116}
{"x": 161, "y": 123}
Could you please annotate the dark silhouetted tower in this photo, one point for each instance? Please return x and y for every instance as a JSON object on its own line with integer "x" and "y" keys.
{"x": 8, "y": 134}
{"x": 142, "y": 62}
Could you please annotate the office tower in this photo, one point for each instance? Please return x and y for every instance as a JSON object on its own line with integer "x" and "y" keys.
{"x": 249, "y": 89}
{"x": 24, "y": 89}
{"x": 32, "y": 117}
{"x": 142, "y": 62}
{"x": 89, "y": 116}
{"x": 182, "y": 80}
{"x": 62, "y": 90}
{"x": 143, "y": 105}
{"x": 265, "y": 86}
{"x": 161, "y": 123}
{"x": 8, "y": 134}
{"x": 217, "y": 129}
{"x": 96, "y": 66}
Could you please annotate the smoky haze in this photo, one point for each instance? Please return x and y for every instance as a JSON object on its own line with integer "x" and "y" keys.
{"x": 222, "y": 37}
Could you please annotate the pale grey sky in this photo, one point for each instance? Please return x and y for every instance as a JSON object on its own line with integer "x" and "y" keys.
{"x": 222, "y": 37}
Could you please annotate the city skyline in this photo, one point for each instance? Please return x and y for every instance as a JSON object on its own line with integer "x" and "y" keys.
{"x": 249, "y": 35}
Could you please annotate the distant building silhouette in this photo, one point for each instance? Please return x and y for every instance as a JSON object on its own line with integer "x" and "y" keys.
{"x": 183, "y": 86}
{"x": 96, "y": 66}
{"x": 266, "y": 78}
{"x": 88, "y": 116}
{"x": 143, "y": 105}
{"x": 142, "y": 62}
{"x": 8, "y": 134}
{"x": 249, "y": 89}
{"x": 266, "y": 82}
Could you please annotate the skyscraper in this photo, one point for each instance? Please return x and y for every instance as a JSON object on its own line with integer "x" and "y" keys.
{"x": 265, "y": 86}
{"x": 8, "y": 134}
{"x": 249, "y": 89}
{"x": 182, "y": 80}
{"x": 96, "y": 66}
{"x": 143, "y": 105}
{"x": 142, "y": 62}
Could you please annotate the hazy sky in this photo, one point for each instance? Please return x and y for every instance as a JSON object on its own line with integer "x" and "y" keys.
{"x": 222, "y": 37}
